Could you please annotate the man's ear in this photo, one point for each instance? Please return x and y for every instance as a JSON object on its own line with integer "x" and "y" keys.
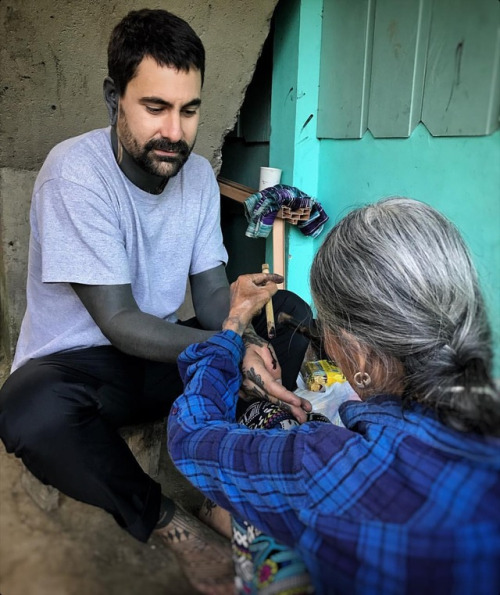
{"x": 111, "y": 99}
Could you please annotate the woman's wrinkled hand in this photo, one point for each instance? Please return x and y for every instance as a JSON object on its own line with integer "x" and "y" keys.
{"x": 260, "y": 368}
{"x": 249, "y": 294}
{"x": 262, "y": 377}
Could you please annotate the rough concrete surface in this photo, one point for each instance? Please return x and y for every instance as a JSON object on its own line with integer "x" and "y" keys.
{"x": 78, "y": 549}
{"x": 54, "y": 61}
{"x": 15, "y": 198}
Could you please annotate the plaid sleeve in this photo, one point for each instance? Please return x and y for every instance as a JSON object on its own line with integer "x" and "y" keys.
{"x": 377, "y": 507}
{"x": 263, "y": 476}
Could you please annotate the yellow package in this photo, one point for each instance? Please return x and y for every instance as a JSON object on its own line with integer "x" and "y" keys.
{"x": 320, "y": 373}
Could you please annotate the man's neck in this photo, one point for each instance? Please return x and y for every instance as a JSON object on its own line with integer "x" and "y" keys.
{"x": 140, "y": 178}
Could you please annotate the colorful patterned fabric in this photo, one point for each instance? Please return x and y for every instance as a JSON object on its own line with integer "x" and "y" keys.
{"x": 265, "y": 567}
{"x": 262, "y": 565}
{"x": 395, "y": 502}
{"x": 262, "y": 207}
{"x": 266, "y": 416}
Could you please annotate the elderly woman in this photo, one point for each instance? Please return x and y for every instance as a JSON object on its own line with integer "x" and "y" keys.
{"x": 406, "y": 497}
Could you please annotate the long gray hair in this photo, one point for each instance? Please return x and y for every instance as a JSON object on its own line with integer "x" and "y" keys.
{"x": 398, "y": 277}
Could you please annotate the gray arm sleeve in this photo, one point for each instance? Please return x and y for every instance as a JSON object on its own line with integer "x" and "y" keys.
{"x": 117, "y": 314}
{"x": 210, "y": 294}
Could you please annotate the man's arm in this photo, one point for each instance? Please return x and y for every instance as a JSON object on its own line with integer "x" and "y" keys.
{"x": 115, "y": 311}
{"x": 132, "y": 331}
{"x": 210, "y": 294}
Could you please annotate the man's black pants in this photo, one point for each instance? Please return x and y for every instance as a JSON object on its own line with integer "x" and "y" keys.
{"x": 61, "y": 414}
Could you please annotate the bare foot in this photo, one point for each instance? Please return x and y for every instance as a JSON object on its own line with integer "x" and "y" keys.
{"x": 216, "y": 517}
{"x": 204, "y": 556}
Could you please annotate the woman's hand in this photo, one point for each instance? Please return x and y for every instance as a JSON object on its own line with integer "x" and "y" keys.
{"x": 260, "y": 367}
{"x": 262, "y": 377}
{"x": 249, "y": 294}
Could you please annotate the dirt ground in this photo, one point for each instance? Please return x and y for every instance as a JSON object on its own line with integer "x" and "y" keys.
{"x": 78, "y": 549}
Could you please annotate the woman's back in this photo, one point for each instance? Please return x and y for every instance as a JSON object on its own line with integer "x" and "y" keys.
{"x": 405, "y": 505}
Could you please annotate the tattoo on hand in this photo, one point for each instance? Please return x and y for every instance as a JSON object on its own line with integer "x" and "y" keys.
{"x": 240, "y": 326}
{"x": 252, "y": 376}
{"x": 255, "y": 393}
{"x": 250, "y": 337}
{"x": 274, "y": 360}
{"x": 208, "y": 506}
{"x": 283, "y": 405}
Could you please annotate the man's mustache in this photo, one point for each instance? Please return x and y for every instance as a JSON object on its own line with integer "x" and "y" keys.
{"x": 180, "y": 146}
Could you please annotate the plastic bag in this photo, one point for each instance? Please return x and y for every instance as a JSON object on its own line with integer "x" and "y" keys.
{"x": 328, "y": 400}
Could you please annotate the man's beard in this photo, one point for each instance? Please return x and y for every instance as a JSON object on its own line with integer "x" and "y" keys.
{"x": 162, "y": 165}
{"x": 150, "y": 162}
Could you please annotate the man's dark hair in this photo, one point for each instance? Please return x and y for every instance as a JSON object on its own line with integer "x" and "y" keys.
{"x": 165, "y": 37}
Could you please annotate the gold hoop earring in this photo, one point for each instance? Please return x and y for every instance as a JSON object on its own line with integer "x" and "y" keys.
{"x": 362, "y": 380}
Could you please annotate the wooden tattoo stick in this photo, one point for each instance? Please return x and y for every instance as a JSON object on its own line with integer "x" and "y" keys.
{"x": 271, "y": 327}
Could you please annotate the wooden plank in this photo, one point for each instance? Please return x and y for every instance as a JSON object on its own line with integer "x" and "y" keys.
{"x": 240, "y": 192}
{"x": 462, "y": 85}
{"x": 401, "y": 35}
{"x": 346, "y": 46}
{"x": 279, "y": 248}
{"x": 233, "y": 190}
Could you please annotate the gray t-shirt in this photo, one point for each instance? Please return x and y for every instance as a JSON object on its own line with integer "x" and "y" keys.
{"x": 91, "y": 225}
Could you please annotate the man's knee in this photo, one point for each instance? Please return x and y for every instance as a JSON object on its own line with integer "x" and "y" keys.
{"x": 32, "y": 412}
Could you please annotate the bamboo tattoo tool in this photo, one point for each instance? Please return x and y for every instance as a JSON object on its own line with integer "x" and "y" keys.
{"x": 271, "y": 327}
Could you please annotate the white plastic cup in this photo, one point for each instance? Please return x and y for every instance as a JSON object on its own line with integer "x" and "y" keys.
{"x": 269, "y": 176}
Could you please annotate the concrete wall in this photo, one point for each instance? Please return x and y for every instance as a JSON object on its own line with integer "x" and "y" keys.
{"x": 53, "y": 61}
{"x": 15, "y": 196}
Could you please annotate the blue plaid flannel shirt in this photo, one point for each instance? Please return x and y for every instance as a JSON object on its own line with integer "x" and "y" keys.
{"x": 393, "y": 503}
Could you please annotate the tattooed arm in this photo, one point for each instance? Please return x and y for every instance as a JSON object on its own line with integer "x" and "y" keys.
{"x": 260, "y": 367}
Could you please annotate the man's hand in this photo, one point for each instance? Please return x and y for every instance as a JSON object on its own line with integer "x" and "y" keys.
{"x": 262, "y": 377}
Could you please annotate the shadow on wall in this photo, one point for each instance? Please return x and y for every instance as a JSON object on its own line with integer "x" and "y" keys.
{"x": 5, "y": 346}
{"x": 16, "y": 187}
